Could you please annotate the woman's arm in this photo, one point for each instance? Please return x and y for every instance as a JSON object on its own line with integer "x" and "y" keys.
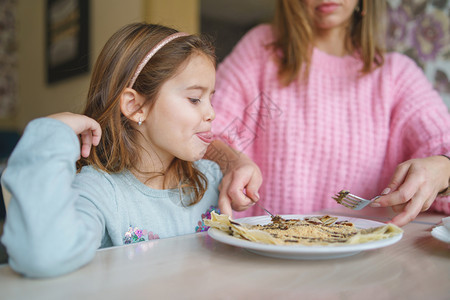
{"x": 419, "y": 136}
{"x": 241, "y": 181}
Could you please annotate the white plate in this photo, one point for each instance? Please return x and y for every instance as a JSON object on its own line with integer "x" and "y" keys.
{"x": 301, "y": 251}
{"x": 441, "y": 233}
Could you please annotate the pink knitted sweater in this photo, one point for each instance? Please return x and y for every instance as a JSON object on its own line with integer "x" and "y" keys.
{"x": 338, "y": 132}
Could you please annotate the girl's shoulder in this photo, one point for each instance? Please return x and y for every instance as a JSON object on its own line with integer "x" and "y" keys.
{"x": 210, "y": 169}
{"x": 91, "y": 171}
{"x": 100, "y": 187}
{"x": 206, "y": 164}
{"x": 95, "y": 177}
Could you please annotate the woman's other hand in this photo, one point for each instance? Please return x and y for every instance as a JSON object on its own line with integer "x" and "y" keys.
{"x": 414, "y": 186}
{"x": 86, "y": 128}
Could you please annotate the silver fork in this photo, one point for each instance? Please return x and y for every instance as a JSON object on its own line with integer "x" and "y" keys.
{"x": 262, "y": 207}
{"x": 352, "y": 201}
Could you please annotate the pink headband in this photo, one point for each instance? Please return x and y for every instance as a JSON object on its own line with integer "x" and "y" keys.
{"x": 152, "y": 52}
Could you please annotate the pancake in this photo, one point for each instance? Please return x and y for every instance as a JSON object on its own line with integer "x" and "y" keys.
{"x": 320, "y": 230}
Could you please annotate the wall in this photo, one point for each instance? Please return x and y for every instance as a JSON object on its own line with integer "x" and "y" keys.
{"x": 227, "y": 21}
{"x": 420, "y": 29}
{"x": 183, "y": 15}
{"x": 35, "y": 97}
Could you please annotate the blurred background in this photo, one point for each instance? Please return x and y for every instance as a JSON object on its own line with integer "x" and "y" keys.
{"x": 47, "y": 47}
{"x": 26, "y": 54}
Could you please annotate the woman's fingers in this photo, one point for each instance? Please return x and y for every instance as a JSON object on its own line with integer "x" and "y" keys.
{"x": 414, "y": 187}
{"x": 86, "y": 143}
{"x": 398, "y": 208}
{"x": 96, "y": 132}
{"x": 398, "y": 178}
{"x": 239, "y": 189}
{"x": 401, "y": 196}
{"x": 406, "y": 182}
{"x": 90, "y": 135}
{"x": 252, "y": 187}
{"x": 410, "y": 211}
{"x": 86, "y": 128}
{"x": 225, "y": 203}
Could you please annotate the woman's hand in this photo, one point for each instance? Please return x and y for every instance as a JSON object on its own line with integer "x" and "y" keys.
{"x": 86, "y": 128}
{"x": 241, "y": 181}
{"x": 414, "y": 186}
{"x": 239, "y": 186}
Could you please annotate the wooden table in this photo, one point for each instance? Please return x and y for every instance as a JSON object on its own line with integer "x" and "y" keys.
{"x": 198, "y": 267}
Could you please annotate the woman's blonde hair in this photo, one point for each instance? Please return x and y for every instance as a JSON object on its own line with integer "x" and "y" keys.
{"x": 294, "y": 36}
{"x": 113, "y": 71}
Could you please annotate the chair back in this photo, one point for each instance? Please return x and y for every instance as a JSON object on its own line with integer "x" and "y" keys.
{"x": 6, "y": 197}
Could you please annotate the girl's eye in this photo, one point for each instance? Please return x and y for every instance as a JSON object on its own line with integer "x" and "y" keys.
{"x": 194, "y": 100}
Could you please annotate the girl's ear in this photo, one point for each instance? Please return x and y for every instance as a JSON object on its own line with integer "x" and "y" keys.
{"x": 132, "y": 105}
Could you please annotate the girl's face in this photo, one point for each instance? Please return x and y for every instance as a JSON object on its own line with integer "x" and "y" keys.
{"x": 329, "y": 14}
{"x": 179, "y": 124}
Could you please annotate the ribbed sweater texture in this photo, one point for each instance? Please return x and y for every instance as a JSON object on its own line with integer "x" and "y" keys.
{"x": 339, "y": 131}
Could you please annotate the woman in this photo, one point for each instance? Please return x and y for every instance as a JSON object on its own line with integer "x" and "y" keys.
{"x": 318, "y": 105}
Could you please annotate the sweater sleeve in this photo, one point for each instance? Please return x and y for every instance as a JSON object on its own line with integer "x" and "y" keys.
{"x": 420, "y": 121}
{"x": 238, "y": 94}
{"x": 50, "y": 228}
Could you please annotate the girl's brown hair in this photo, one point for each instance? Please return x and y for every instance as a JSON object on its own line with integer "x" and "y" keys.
{"x": 294, "y": 33}
{"x": 118, "y": 148}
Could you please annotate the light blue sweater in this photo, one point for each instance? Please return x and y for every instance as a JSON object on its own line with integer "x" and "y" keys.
{"x": 57, "y": 219}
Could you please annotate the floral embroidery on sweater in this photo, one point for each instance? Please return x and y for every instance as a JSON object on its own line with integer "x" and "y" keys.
{"x": 201, "y": 226}
{"x": 136, "y": 235}
{"x": 133, "y": 235}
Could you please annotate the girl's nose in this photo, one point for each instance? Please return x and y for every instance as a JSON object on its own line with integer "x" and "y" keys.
{"x": 210, "y": 114}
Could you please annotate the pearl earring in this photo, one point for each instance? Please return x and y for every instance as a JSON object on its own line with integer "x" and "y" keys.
{"x": 140, "y": 122}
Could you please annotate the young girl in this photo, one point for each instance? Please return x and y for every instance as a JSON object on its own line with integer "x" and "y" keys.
{"x": 149, "y": 115}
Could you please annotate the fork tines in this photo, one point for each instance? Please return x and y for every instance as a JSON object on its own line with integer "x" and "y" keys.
{"x": 352, "y": 201}
{"x": 345, "y": 198}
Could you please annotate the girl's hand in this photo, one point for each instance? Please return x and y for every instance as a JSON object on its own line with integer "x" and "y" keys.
{"x": 414, "y": 186}
{"x": 240, "y": 185}
{"x": 86, "y": 128}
